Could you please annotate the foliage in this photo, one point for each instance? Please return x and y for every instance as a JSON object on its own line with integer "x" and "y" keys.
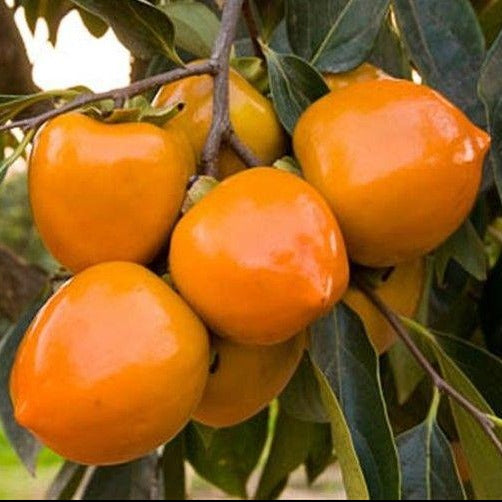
{"x": 343, "y": 404}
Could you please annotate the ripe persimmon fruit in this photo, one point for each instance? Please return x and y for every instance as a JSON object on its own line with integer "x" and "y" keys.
{"x": 112, "y": 367}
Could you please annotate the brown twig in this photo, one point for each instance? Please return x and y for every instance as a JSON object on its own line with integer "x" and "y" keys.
{"x": 247, "y": 13}
{"x": 221, "y": 128}
{"x": 442, "y": 385}
{"x": 116, "y": 95}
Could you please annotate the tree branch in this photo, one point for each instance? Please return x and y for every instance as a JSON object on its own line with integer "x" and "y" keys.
{"x": 442, "y": 385}
{"x": 221, "y": 128}
{"x": 252, "y": 28}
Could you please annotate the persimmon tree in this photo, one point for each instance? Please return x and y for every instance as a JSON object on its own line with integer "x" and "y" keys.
{"x": 391, "y": 423}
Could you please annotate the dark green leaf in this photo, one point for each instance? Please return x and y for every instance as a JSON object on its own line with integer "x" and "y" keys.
{"x": 320, "y": 453}
{"x": 95, "y": 26}
{"x": 350, "y": 40}
{"x": 294, "y": 85}
{"x": 131, "y": 481}
{"x": 301, "y": 398}
{"x": 467, "y": 249}
{"x": 231, "y": 455}
{"x": 52, "y": 12}
{"x": 342, "y": 351}
{"x": 490, "y": 19}
{"x": 491, "y": 310}
{"x": 196, "y": 26}
{"x": 427, "y": 464}
{"x": 308, "y": 23}
{"x": 352, "y": 474}
{"x": 143, "y": 28}
{"x": 268, "y": 14}
{"x": 388, "y": 52}
{"x": 292, "y": 442}
{"x": 482, "y": 368}
{"x": 446, "y": 45}
{"x": 490, "y": 90}
{"x": 484, "y": 460}
{"x": 173, "y": 469}
{"x": 24, "y": 444}
{"x": 66, "y": 482}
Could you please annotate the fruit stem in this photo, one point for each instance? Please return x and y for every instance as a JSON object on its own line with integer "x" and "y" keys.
{"x": 442, "y": 385}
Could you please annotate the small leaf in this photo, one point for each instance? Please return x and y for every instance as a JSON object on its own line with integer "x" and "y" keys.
{"x": 490, "y": 90}
{"x": 134, "y": 480}
{"x": 301, "y": 398}
{"x": 66, "y": 482}
{"x": 294, "y": 85}
{"x": 308, "y": 23}
{"x": 173, "y": 469}
{"x": 199, "y": 189}
{"x": 427, "y": 463}
{"x": 290, "y": 447}
{"x": 467, "y": 249}
{"x": 446, "y": 45}
{"x": 342, "y": 351}
{"x": 388, "y": 52}
{"x": 232, "y": 454}
{"x": 321, "y": 453}
{"x": 196, "y": 26}
{"x": 268, "y": 14}
{"x": 143, "y": 28}
{"x": 18, "y": 152}
{"x": 95, "y": 26}
{"x": 24, "y": 444}
{"x": 254, "y": 70}
{"x": 350, "y": 40}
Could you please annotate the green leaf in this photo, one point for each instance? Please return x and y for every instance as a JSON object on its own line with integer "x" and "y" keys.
{"x": 427, "y": 464}
{"x": 268, "y": 14}
{"x": 24, "y": 444}
{"x": 490, "y": 19}
{"x": 173, "y": 469}
{"x": 51, "y": 11}
{"x": 483, "y": 458}
{"x": 131, "y": 481}
{"x": 342, "y": 351}
{"x": 301, "y": 398}
{"x": 350, "y": 40}
{"x": 291, "y": 444}
{"x": 352, "y": 474}
{"x": 66, "y": 482}
{"x": 467, "y": 249}
{"x": 406, "y": 371}
{"x": 143, "y": 28}
{"x": 320, "y": 454}
{"x": 195, "y": 26}
{"x": 482, "y": 368}
{"x": 294, "y": 85}
{"x": 388, "y": 52}
{"x": 490, "y": 90}
{"x": 446, "y": 45}
{"x": 95, "y": 26}
{"x": 231, "y": 455}
{"x": 490, "y": 309}
{"x": 254, "y": 70}
{"x": 18, "y": 151}
{"x": 308, "y": 23}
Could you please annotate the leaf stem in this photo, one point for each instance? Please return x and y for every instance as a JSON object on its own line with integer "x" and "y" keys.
{"x": 398, "y": 324}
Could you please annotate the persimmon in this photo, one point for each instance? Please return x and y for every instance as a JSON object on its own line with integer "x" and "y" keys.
{"x": 112, "y": 366}
{"x": 102, "y": 192}
{"x": 259, "y": 257}
{"x": 399, "y": 165}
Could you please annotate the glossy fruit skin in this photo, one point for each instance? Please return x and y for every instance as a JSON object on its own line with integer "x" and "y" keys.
{"x": 260, "y": 257}
{"x": 401, "y": 291}
{"x": 103, "y": 192}
{"x": 246, "y": 378}
{"x": 363, "y": 73}
{"x": 251, "y": 114}
{"x": 399, "y": 165}
{"x": 112, "y": 366}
